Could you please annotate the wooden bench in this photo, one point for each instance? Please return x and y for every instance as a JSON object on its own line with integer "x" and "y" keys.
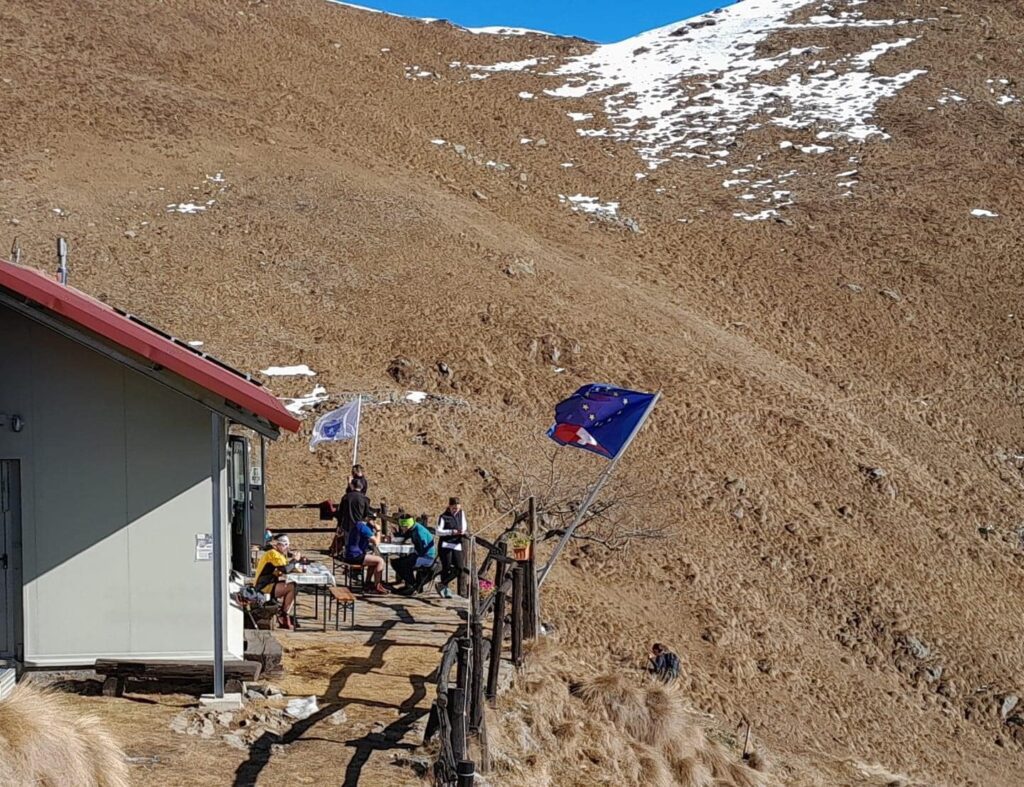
{"x": 343, "y": 602}
{"x": 117, "y": 673}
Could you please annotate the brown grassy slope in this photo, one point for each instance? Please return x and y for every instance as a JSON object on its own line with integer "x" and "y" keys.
{"x": 343, "y": 238}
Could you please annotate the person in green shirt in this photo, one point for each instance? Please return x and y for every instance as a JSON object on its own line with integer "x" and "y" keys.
{"x": 423, "y": 557}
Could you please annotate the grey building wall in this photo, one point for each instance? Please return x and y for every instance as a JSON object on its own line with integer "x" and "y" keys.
{"x": 115, "y": 487}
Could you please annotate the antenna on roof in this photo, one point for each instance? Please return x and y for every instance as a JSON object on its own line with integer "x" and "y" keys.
{"x": 62, "y": 260}
{"x": 16, "y": 252}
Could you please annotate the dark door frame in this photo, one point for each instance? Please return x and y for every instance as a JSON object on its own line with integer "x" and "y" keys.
{"x": 11, "y": 557}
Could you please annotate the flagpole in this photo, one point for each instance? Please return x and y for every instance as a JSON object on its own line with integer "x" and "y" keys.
{"x": 355, "y": 443}
{"x": 602, "y": 479}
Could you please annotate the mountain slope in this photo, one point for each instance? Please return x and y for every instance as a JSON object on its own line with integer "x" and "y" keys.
{"x": 838, "y": 449}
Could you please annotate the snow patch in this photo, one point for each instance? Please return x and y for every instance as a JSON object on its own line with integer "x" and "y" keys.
{"x": 764, "y": 215}
{"x": 288, "y": 371}
{"x": 417, "y": 72}
{"x": 299, "y": 404}
{"x": 511, "y": 65}
{"x": 188, "y": 207}
{"x": 981, "y": 213}
{"x": 509, "y": 31}
{"x": 591, "y": 205}
{"x": 703, "y": 80}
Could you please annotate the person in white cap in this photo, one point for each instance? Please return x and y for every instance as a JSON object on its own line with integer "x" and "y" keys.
{"x": 275, "y": 563}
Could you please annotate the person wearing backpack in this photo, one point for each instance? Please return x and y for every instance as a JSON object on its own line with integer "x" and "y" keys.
{"x": 664, "y": 664}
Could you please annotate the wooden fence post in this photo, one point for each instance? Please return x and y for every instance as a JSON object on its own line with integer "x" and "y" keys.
{"x": 517, "y": 614}
{"x": 463, "y": 578}
{"x": 457, "y": 717}
{"x": 476, "y": 631}
{"x": 476, "y": 681}
{"x": 530, "y": 600}
{"x": 462, "y": 664}
{"x": 465, "y": 773}
{"x": 497, "y": 631}
{"x": 385, "y": 528}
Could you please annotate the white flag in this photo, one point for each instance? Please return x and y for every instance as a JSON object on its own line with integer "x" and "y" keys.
{"x": 337, "y": 425}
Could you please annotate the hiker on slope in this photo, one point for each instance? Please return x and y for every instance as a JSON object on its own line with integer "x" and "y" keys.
{"x": 663, "y": 663}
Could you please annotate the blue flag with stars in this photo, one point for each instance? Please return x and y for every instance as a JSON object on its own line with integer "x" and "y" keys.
{"x": 600, "y": 418}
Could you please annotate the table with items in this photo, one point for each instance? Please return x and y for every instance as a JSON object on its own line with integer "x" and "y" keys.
{"x": 389, "y": 548}
{"x": 319, "y": 577}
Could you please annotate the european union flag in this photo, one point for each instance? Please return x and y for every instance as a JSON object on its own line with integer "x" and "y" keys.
{"x": 600, "y": 418}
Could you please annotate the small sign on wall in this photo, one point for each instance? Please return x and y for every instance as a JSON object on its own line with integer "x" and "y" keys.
{"x": 204, "y": 546}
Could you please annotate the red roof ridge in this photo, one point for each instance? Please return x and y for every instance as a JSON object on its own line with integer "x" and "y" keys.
{"x": 131, "y": 334}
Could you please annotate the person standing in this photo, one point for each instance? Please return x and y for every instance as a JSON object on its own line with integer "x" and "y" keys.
{"x": 451, "y": 529}
{"x": 359, "y": 481}
{"x": 354, "y": 507}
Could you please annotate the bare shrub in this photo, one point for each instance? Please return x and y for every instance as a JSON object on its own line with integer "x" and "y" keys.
{"x": 605, "y": 728}
{"x": 558, "y": 483}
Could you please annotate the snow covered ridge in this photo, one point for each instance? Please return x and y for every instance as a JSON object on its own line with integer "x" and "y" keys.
{"x": 494, "y": 30}
{"x": 689, "y": 89}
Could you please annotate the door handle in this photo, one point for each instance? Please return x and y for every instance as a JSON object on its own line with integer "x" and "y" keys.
{"x": 3, "y": 561}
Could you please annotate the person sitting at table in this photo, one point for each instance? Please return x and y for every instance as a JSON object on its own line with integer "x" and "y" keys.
{"x": 275, "y": 563}
{"x": 423, "y": 557}
{"x": 359, "y": 544}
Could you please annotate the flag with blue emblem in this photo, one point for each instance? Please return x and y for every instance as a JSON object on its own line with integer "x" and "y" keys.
{"x": 337, "y": 425}
{"x": 601, "y": 418}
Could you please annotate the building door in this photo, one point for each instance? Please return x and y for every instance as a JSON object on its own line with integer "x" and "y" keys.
{"x": 238, "y": 500}
{"x": 10, "y": 558}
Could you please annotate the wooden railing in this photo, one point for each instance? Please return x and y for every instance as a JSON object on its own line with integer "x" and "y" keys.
{"x": 457, "y": 716}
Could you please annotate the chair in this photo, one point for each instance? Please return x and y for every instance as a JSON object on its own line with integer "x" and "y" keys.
{"x": 426, "y": 574}
{"x": 349, "y": 570}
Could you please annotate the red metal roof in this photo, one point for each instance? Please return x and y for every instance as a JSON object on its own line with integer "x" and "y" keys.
{"x": 130, "y": 334}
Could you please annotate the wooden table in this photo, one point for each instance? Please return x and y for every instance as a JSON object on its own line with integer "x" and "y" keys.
{"x": 317, "y": 579}
{"x": 390, "y": 548}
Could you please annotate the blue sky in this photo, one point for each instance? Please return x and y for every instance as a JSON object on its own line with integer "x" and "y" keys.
{"x": 599, "y": 20}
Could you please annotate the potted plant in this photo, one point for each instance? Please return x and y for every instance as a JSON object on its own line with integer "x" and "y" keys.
{"x": 520, "y": 544}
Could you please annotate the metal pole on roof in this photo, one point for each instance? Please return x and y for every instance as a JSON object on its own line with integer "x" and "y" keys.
{"x": 62, "y": 260}
{"x": 216, "y": 455}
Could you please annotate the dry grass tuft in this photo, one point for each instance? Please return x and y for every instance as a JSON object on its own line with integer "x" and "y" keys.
{"x": 607, "y": 728}
{"x": 46, "y": 744}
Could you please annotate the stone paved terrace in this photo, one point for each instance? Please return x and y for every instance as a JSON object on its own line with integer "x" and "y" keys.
{"x": 379, "y": 674}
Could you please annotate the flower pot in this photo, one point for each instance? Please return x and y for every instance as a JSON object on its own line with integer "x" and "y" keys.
{"x": 521, "y": 553}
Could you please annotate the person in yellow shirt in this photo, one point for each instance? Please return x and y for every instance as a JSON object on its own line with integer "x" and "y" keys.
{"x": 275, "y": 563}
